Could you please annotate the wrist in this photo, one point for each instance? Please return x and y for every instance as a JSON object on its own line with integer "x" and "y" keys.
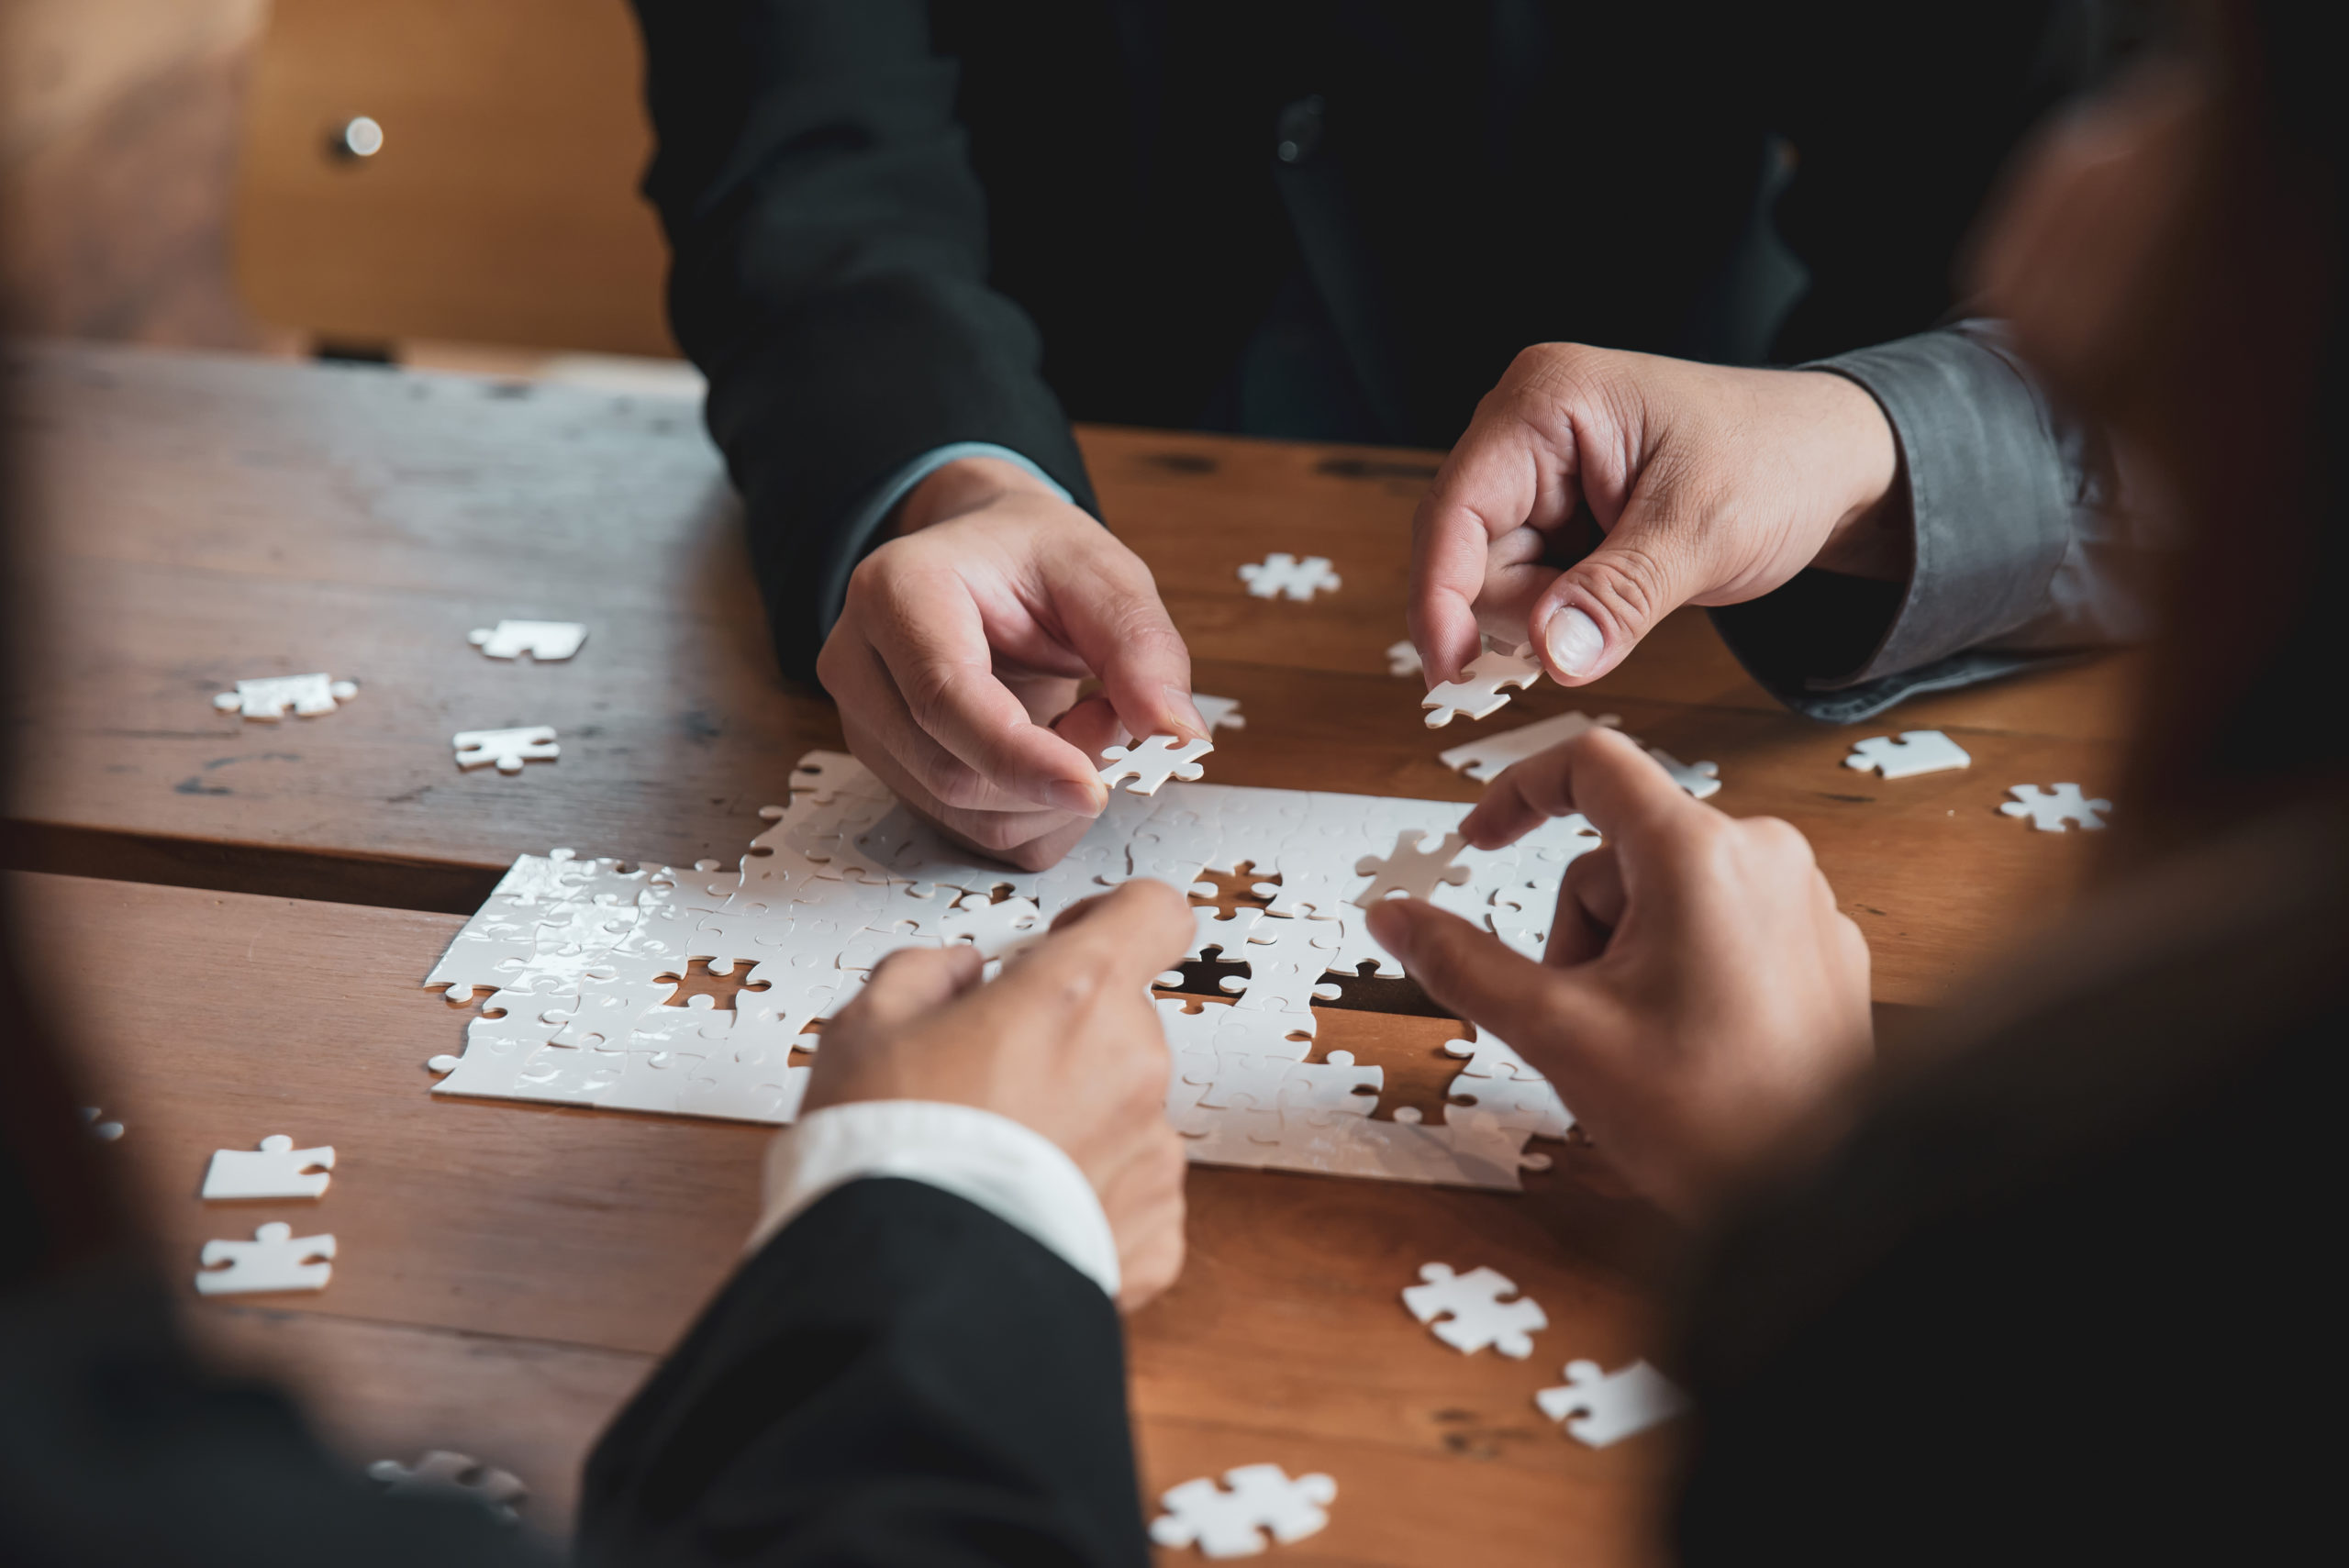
{"x": 1869, "y": 537}
{"x": 965, "y": 486}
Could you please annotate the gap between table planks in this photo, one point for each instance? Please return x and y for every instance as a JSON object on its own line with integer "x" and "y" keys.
{"x": 494, "y": 1247}
{"x": 198, "y": 519}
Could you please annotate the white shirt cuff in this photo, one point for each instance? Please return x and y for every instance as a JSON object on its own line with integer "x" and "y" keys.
{"x": 1013, "y": 1172}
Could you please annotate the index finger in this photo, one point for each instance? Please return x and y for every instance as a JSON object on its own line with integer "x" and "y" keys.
{"x": 931, "y": 634}
{"x": 1600, "y": 772}
{"x": 1500, "y": 477}
{"x": 1119, "y": 941}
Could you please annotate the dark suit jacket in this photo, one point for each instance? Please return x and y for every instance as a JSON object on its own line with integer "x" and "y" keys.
{"x": 900, "y": 225}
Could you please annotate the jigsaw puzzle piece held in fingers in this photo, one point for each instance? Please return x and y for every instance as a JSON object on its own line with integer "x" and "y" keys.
{"x": 1483, "y": 687}
{"x": 1149, "y": 763}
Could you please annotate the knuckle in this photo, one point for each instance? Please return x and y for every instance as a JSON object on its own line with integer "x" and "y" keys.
{"x": 1779, "y": 840}
{"x": 1631, "y": 583}
{"x": 958, "y": 787}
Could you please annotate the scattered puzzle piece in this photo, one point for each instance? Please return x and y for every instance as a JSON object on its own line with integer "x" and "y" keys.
{"x": 543, "y": 641}
{"x": 1480, "y": 691}
{"x": 1702, "y": 780}
{"x": 509, "y": 749}
{"x": 1412, "y": 868}
{"x": 276, "y": 1170}
{"x": 1917, "y": 751}
{"x": 1219, "y": 713}
{"x": 104, "y": 1132}
{"x": 1484, "y": 759}
{"x": 1150, "y": 762}
{"x": 1613, "y": 1405}
{"x": 269, "y": 697}
{"x": 439, "y": 1470}
{"x": 1260, "y": 1497}
{"x": 1478, "y": 1316}
{"x": 1282, "y": 573}
{"x": 275, "y": 1259}
{"x": 1403, "y": 659}
{"x": 2055, "y": 810}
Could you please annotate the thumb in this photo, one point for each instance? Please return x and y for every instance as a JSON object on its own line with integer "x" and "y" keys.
{"x": 1593, "y": 615}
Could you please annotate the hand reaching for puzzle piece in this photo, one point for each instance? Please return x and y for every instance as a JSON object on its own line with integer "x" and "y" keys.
{"x": 958, "y": 652}
{"x": 1702, "y": 1001}
{"x": 1712, "y": 485}
{"x": 1066, "y": 1042}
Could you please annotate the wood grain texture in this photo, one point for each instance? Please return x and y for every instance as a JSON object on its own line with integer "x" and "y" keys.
{"x": 387, "y": 1391}
{"x": 202, "y": 518}
{"x": 505, "y": 1270}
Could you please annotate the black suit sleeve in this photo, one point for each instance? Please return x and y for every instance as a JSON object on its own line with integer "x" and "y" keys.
{"x": 899, "y": 1377}
{"x": 829, "y": 272}
{"x": 118, "y": 1449}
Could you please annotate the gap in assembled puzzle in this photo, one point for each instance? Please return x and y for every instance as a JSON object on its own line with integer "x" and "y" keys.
{"x": 585, "y": 959}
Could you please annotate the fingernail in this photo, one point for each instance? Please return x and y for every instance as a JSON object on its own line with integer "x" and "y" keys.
{"x": 1574, "y": 642}
{"x": 1067, "y": 794}
{"x": 1184, "y": 707}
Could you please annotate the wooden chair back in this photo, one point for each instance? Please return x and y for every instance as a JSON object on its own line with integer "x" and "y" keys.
{"x": 501, "y": 206}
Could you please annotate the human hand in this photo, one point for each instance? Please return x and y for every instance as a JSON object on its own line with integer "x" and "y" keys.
{"x": 1713, "y": 485}
{"x": 1701, "y": 999}
{"x": 956, "y": 660}
{"x": 1064, "y": 1041}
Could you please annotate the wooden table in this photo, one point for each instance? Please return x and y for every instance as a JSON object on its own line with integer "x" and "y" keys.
{"x": 245, "y": 911}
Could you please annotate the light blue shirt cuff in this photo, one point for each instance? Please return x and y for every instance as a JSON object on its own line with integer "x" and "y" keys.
{"x": 858, "y": 535}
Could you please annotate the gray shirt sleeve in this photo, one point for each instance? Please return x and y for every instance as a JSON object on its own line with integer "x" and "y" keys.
{"x": 2023, "y": 547}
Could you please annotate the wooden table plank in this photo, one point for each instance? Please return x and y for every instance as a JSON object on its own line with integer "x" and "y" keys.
{"x": 230, "y": 1017}
{"x": 387, "y": 1391}
{"x": 201, "y": 518}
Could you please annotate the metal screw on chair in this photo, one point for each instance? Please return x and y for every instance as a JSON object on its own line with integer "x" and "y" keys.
{"x": 359, "y": 137}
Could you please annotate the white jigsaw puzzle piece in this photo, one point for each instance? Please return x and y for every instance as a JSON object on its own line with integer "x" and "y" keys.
{"x": 1226, "y": 1521}
{"x": 1915, "y": 751}
{"x": 1412, "y": 868}
{"x": 1403, "y": 659}
{"x": 1613, "y": 1405}
{"x": 275, "y": 1170}
{"x": 1283, "y": 573}
{"x": 2056, "y": 808}
{"x": 1219, "y": 713}
{"x": 270, "y": 697}
{"x": 275, "y": 1259}
{"x": 1483, "y": 759}
{"x": 1215, "y": 928}
{"x": 998, "y": 930}
{"x": 1483, "y": 688}
{"x": 1478, "y": 1316}
{"x": 1702, "y": 780}
{"x": 438, "y": 1470}
{"x": 543, "y": 641}
{"x": 1149, "y": 763}
{"x": 509, "y": 749}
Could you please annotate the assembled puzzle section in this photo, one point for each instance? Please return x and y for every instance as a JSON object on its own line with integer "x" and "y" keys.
{"x": 581, "y": 962}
